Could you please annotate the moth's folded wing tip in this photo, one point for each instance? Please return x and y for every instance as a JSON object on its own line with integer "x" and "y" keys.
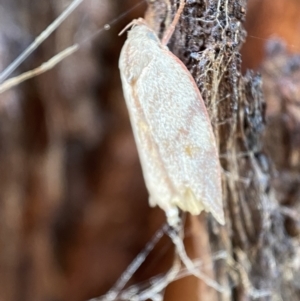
{"x": 221, "y": 220}
{"x": 215, "y": 208}
{"x": 218, "y": 214}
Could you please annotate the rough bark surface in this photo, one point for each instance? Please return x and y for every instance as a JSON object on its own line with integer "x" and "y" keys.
{"x": 73, "y": 205}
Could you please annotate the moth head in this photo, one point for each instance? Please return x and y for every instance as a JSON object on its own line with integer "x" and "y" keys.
{"x": 141, "y": 30}
{"x": 133, "y": 23}
{"x": 139, "y": 50}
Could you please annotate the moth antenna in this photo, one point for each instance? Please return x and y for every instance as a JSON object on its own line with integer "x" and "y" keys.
{"x": 172, "y": 26}
{"x": 132, "y": 23}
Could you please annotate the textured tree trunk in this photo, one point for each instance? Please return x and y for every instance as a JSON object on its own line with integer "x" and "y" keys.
{"x": 73, "y": 205}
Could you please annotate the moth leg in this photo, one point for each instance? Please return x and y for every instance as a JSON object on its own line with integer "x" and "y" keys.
{"x": 169, "y": 14}
{"x": 176, "y": 236}
{"x": 169, "y": 32}
{"x": 173, "y": 218}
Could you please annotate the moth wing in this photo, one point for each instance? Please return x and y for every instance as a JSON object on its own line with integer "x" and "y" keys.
{"x": 174, "y": 136}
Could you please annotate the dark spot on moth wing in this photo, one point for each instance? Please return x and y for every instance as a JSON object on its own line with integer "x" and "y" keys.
{"x": 191, "y": 151}
{"x": 143, "y": 33}
{"x": 183, "y": 131}
{"x": 152, "y": 36}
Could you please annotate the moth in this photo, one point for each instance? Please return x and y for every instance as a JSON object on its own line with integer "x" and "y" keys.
{"x": 171, "y": 126}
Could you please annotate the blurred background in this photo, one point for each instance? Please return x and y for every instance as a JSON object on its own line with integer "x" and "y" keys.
{"x": 73, "y": 205}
